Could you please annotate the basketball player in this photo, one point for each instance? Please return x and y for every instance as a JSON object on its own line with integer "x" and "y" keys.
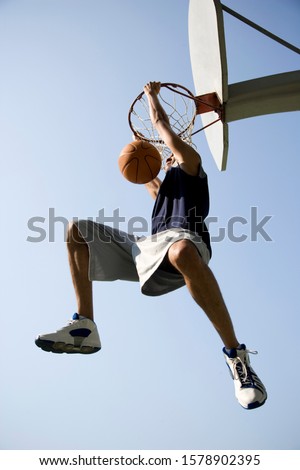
{"x": 176, "y": 254}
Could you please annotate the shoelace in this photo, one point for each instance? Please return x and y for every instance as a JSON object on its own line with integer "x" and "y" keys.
{"x": 241, "y": 370}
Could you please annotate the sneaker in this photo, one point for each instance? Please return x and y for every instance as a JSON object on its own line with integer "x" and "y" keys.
{"x": 249, "y": 390}
{"x": 79, "y": 336}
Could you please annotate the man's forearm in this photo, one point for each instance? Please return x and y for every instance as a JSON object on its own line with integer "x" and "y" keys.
{"x": 157, "y": 112}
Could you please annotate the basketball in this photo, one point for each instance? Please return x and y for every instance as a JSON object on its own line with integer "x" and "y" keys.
{"x": 139, "y": 162}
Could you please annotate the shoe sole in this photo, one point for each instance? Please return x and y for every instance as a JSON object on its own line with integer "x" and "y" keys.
{"x": 60, "y": 348}
{"x": 253, "y": 406}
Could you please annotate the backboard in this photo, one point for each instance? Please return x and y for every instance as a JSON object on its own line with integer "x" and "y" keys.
{"x": 209, "y": 68}
{"x": 256, "y": 97}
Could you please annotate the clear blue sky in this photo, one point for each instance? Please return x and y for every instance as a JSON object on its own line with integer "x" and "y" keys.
{"x": 69, "y": 71}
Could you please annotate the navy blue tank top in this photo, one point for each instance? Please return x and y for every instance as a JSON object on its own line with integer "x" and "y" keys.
{"x": 182, "y": 202}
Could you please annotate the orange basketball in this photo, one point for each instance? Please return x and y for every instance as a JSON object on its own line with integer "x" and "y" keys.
{"x": 139, "y": 162}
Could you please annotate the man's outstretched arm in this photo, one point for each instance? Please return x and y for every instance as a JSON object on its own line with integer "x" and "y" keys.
{"x": 185, "y": 155}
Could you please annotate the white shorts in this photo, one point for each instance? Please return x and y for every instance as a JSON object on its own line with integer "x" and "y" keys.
{"x": 117, "y": 255}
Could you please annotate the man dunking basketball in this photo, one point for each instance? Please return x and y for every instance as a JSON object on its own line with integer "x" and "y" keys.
{"x": 176, "y": 254}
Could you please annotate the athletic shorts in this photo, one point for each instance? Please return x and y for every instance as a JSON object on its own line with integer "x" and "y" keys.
{"x": 117, "y": 255}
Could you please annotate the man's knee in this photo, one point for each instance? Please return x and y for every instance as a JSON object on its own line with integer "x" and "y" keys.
{"x": 183, "y": 253}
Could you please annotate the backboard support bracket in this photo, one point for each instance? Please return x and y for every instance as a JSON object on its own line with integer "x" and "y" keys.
{"x": 209, "y": 102}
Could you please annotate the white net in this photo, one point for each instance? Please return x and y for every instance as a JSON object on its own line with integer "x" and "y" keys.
{"x": 178, "y": 103}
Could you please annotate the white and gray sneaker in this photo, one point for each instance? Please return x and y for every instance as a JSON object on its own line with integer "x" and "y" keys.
{"x": 249, "y": 389}
{"x": 79, "y": 336}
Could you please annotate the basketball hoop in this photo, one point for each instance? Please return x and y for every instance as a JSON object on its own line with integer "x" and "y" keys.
{"x": 179, "y": 104}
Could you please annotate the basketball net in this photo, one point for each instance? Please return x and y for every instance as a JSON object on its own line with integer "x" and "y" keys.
{"x": 179, "y": 104}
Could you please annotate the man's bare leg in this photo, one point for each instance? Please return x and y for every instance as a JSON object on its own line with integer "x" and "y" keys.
{"x": 203, "y": 287}
{"x": 78, "y": 254}
{"x": 249, "y": 389}
{"x": 81, "y": 334}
